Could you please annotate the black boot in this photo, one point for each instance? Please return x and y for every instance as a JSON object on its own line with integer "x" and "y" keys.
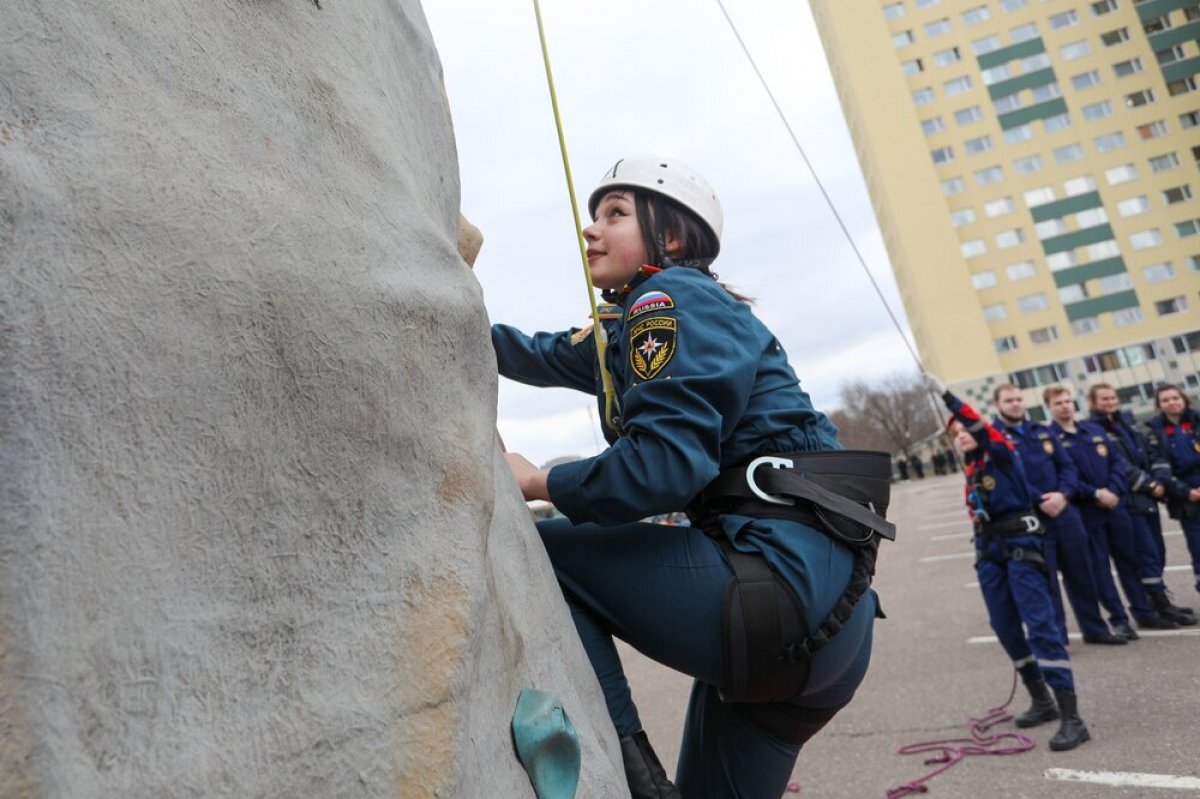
{"x": 643, "y": 772}
{"x": 1043, "y": 708}
{"x": 1072, "y": 732}
{"x": 1158, "y": 622}
{"x": 1181, "y": 617}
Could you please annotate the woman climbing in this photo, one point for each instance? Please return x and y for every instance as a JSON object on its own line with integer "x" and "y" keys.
{"x": 758, "y": 600}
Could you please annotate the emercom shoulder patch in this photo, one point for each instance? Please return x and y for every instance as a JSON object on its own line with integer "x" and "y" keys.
{"x": 650, "y": 301}
{"x": 580, "y": 336}
{"x": 652, "y": 345}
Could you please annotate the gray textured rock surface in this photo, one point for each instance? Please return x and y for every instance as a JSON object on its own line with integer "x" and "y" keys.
{"x": 256, "y": 534}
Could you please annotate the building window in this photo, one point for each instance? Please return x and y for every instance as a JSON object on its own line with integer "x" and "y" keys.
{"x": 1044, "y": 335}
{"x": 1072, "y": 293}
{"x": 944, "y": 58}
{"x": 965, "y": 116}
{"x": 1126, "y": 317}
{"x": 973, "y": 16}
{"x": 952, "y": 186}
{"x": 1018, "y": 134}
{"x": 1069, "y": 153}
{"x": 1188, "y": 342}
{"x": 1000, "y": 207}
{"x": 1057, "y": 122}
{"x": 1103, "y": 7}
{"x": 1008, "y": 6}
{"x": 1178, "y": 194}
{"x": 1022, "y": 270}
{"x": 1138, "y": 99}
{"x": 1194, "y": 263}
{"x": 1109, "y": 142}
{"x": 1115, "y": 37}
{"x": 1064, "y": 20}
{"x": 1098, "y": 110}
{"x": 979, "y": 144}
{"x": 1009, "y": 102}
{"x": 972, "y": 248}
{"x": 1170, "y": 55}
{"x": 938, "y": 27}
{"x": 1061, "y": 260}
{"x": 1023, "y": 33}
{"x": 1080, "y": 185}
{"x": 943, "y": 155}
{"x": 1088, "y": 324}
{"x": 922, "y": 96}
{"x": 986, "y": 177}
{"x": 1010, "y": 238}
{"x": 1039, "y": 196}
{"x": 996, "y": 74}
{"x": 1027, "y": 165}
{"x": 1152, "y": 130}
{"x": 1102, "y": 249}
{"x": 1133, "y": 206}
{"x": 985, "y": 45}
{"x": 1047, "y": 91}
{"x": 1049, "y": 229}
{"x": 962, "y": 216}
{"x": 1182, "y": 86}
{"x": 1164, "y": 162}
{"x": 1120, "y": 174}
{"x": 902, "y": 39}
{"x": 1085, "y": 80}
{"x": 1157, "y": 273}
{"x": 1125, "y": 68}
{"x": 1090, "y": 217}
{"x": 957, "y": 85}
{"x": 1188, "y": 228}
{"x": 983, "y": 280}
{"x": 1073, "y": 50}
{"x": 1171, "y": 306}
{"x": 1145, "y": 239}
{"x": 1189, "y": 120}
{"x": 894, "y": 11}
{"x": 928, "y": 3}
{"x": 1156, "y": 24}
{"x": 995, "y": 312}
{"x": 1031, "y": 303}
{"x": 1005, "y": 343}
{"x": 931, "y": 126}
{"x": 1035, "y": 62}
{"x": 1039, "y": 376}
{"x": 1114, "y": 283}
{"x": 912, "y": 67}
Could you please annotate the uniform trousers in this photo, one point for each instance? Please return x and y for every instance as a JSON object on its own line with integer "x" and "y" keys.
{"x": 1147, "y": 536}
{"x": 661, "y": 589}
{"x": 1016, "y": 592}
{"x": 1110, "y": 533}
{"x": 1066, "y": 550}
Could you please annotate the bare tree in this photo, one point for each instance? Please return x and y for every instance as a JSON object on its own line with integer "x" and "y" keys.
{"x": 892, "y": 414}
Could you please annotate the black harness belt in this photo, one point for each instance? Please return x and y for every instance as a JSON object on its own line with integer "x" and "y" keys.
{"x": 768, "y": 643}
{"x": 1009, "y": 527}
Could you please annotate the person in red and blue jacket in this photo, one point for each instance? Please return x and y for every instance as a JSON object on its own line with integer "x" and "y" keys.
{"x": 1176, "y": 435}
{"x": 1012, "y": 571}
{"x": 1102, "y": 487}
{"x": 1054, "y": 480}
{"x": 1142, "y": 499}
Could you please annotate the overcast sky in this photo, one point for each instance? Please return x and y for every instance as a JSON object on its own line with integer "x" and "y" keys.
{"x": 662, "y": 77}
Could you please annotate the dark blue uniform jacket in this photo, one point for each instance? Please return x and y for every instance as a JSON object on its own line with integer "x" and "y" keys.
{"x": 1047, "y": 467}
{"x": 1096, "y": 457}
{"x": 1135, "y": 449}
{"x": 1178, "y": 463}
{"x": 702, "y": 384}
{"x": 993, "y": 470}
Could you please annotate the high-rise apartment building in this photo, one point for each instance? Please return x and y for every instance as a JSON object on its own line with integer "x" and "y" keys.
{"x": 1034, "y": 166}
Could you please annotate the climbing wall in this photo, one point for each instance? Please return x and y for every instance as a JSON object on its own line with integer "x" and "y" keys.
{"x": 256, "y": 534}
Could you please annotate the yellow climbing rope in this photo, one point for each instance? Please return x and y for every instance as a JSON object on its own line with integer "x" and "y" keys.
{"x": 612, "y": 410}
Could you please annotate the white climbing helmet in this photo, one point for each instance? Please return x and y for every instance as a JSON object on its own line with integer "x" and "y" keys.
{"x": 668, "y": 177}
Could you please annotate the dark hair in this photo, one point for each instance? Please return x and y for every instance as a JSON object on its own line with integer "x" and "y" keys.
{"x": 1052, "y": 392}
{"x": 1096, "y": 389}
{"x": 1163, "y": 387}
{"x": 656, "y": 215}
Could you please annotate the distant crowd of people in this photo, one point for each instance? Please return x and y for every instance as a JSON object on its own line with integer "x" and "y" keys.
{"x": 1077, "y": 497}
{"x": 941, "y": 459}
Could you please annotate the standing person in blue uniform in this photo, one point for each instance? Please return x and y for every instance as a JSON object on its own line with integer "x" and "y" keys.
{"x": 1176, "y": 435}
{"x": 1054, "y": 480}
{"x": 1141, "y": 500}
{"x": 1102, "y": 487}
{"x": 766, "y": 598}
{"x": 1012, "y": 572}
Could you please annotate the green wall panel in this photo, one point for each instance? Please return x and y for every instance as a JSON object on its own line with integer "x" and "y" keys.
{"x": 1177, "y": 35}
{"x": 1010, "y": 53}
{"x": 1079, "y": 238}
{"x": 1096, "y": 269}
{"x": 1181, "y": 69}
{"x": 1069, "y": 205}
{"x": 1156, "y": 8}
{"x": 1099, "y": 305}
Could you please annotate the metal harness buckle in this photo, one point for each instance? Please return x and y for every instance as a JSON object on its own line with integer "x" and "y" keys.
{"x": 778, "y": 463}
{"x": 1031, "y": 523}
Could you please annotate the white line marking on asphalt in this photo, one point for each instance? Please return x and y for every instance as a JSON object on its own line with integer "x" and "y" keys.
{"x": 962, "y": 522}
{"x": 991, "y": 639}
{"x": 1124, "y": 779}
{"x": 1177, "y": 568}
{"x": 971, "y": 585}
{"x": 949, "y": 536}
{"x": 955, "y": 556}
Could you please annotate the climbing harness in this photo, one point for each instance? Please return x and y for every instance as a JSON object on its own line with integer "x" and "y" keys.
{"x": 612, "y": 408}
{"x": 953, "y": 750}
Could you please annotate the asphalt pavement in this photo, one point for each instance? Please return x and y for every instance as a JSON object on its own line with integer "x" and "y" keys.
{"x": 936, "y": 664}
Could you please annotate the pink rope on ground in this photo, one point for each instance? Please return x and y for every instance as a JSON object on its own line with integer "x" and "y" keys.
{"x": 952, "y": 750}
